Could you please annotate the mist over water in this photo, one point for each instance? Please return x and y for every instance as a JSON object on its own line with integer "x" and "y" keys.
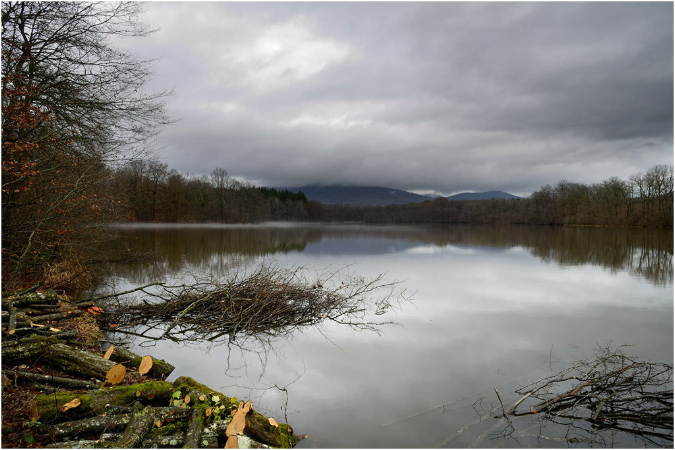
{"x": 492, "y": 307}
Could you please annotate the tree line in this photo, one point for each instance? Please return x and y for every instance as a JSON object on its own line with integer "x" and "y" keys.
{"x": 148, "y": 191}
{"x": 644, "y": 200}
{"x": 152, "y": 193}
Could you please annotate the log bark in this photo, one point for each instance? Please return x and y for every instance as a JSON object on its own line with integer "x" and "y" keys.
{"x": 9, "y": 306}
{"x": 56, "y": 316}
{"x": 140, "y": 425}
{"x": 67, "y": 335}
{"x": 194, "y": 432}
{"x": 39, "y": 298}
{"x": 91, "y": 425}
{"x": 50, "y": 380}
{"x": 175, "y": 440}
{"x": 79, "y": 362}
{"x": 26, "y": 350}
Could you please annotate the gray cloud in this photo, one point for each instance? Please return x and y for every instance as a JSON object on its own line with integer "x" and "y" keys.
{"x": 426, "y": 96}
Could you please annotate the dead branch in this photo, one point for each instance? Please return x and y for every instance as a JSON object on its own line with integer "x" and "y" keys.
{"x": 611, "y": 393}
{"x": 267, "y": 302}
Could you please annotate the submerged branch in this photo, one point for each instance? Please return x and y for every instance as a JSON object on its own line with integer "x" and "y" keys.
{"x": 612, "y": 393}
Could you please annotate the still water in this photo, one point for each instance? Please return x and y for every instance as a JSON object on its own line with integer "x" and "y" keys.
{"x": 492, "y": 307}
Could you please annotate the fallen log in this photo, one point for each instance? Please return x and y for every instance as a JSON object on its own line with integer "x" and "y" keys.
{"x": 52, "y": 351}
{"x": 25, "y": 350}
{"x": 159, "y": 369}
{"x": 67, "y": 335}
{"x": 97, "y": 402}
{"x": 91, "y": 425}
{"x": 38, "y": 298}
{"x": 56, "y": 316}
{"x": 139, "y": 426}
{"x": 50, "y": 380}
{"x": 194, "y": 432}
{"x": 74, "y": 361}
{"x": 9, "y": 306}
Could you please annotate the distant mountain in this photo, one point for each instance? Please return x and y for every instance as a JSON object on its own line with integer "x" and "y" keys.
{"x": 481, "y": 195}
{"x": 379, "y": 196}
{"x": 363, "y": 196}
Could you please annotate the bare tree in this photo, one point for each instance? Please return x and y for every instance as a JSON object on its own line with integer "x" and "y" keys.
{"x": 72, "y": 106}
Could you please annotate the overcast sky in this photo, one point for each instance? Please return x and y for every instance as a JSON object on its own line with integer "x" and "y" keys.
{"x": 442, "y": 97}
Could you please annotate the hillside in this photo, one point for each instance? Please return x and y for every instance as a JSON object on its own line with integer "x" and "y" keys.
{"x": 482, "y": 195}
{"x": 379, "y": 196}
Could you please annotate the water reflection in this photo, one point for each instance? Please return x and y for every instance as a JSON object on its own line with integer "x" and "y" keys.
{"x": 494, "y": 307}
{"x": 644, "y": 253}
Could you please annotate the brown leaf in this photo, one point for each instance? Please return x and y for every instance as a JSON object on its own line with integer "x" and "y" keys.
{"x": 34, "y": 414}
{"x": 273, "y": 422}
{"x": 232, "y": 442}
{"x": 146, "y": 365}
{"x": 187, "y": 399}
{"x": 74, "y": 403}
{"x": 115, "y": 374}
{"x": 151, "y": 395}
{"x": 109, "y": 352}
{"x": 158, "y": 423}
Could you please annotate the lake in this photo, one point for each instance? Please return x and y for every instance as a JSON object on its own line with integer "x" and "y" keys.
{"x": 492, "y": 307}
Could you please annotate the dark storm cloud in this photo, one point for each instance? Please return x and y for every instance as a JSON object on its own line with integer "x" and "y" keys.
{"x": 425, "y": 96}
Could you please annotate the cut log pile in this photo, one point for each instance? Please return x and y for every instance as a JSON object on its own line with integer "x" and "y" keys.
{"x": 118, "y": 398}
{"x": 156, "y": 414}
{"x": 31, "y": 313}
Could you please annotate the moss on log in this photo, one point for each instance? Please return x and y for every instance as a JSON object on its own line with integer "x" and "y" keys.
{"x": 156, "y": 393}
{"x": 26, "y": 350}
{"x": 38, "y": 298}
